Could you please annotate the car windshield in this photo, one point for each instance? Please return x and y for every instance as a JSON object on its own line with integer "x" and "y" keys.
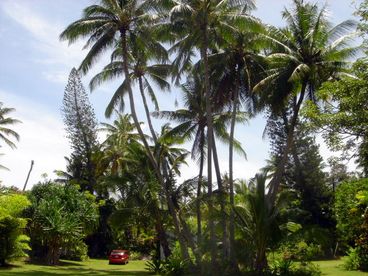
{"x": 118, "y": 253}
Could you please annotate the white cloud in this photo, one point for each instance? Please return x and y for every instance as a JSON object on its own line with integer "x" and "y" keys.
{"x": 45, "y": 33}
{"x": 42, "y": 139}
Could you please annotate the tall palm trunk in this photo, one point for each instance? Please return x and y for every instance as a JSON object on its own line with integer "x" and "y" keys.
{"x": 141, "y": 89}
{"x": 161, "y": 235}
{"x": 276, "y": 180}
{"x": 207, "y": 96}
{"x": 198, "y": 203}
{"x": 225, "y": 242}
{"x": 231, "y": 180}
{"x": 170, "y": 204}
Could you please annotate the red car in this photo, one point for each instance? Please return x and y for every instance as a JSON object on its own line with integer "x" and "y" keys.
{"x": 119, "y": 257}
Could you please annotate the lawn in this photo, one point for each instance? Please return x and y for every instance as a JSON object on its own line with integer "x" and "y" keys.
{"x": 101, "y": 267}
{"x": 90, "y": 267}
{"x": 334, "y": 268}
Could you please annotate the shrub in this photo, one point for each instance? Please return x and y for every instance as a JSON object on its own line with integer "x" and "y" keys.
{"x": 155, "y": 266}
{"x": 352, "y": 261}
{"x": 175, "y": 266}
{"x": 134, "y": 255}
{"x": 352, "y": 217}
{"x": 13, "y": 243}
{"x": 77, "y": 252}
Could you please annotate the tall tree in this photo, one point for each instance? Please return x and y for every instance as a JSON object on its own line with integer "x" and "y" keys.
{"x": 195, "y": 23}
{"x": 193, "y": 127}
{"x": 104, "y": 24}
{"x": 307, "y": 52}
{"x": 81, "y": 126}
{"x": 303, "y": 172}
{"x": 235, "y": 69}
{"x": 343, "y": 117}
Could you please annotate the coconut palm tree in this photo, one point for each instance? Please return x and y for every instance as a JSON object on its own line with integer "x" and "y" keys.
{"x": 235, "y": 69}
{"x": 257, "y": 217}
{"x": 307, "y": 52}
{"x": 193, "y": 126}
{"x": 142, "y": 71}
{"x": 6, "y": 134}
{"x": 120, "y": 21}
{"x": 196, "y": 24}
{"x": 106, "y": 24}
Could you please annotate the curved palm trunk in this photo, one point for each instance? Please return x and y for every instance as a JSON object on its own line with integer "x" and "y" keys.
{"x": 207, "y": 96}
{"x": 276, "y": 180}
{"x": 170, "y": 204}
{"x": 141, "y": 89}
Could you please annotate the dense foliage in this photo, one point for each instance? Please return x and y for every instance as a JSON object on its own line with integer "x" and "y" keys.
{"x": 13, "y": 241}
{"x": 60, "y": 217}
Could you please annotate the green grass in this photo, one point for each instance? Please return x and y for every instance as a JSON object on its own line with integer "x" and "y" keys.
{"x": 334, "y": 268}
{"x": 101, "y": 267}
{"x": 91, "y": 267}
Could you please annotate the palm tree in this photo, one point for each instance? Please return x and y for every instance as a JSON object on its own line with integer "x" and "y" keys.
{"x": 235, "y": 70}
{"x": 142, "y": 71}
{"x": 305, "y": 54}
{"x": 257, "y": 217}
{"x": 108, "y": 23}
{"x": 193, "y": 126}
{"x": 196, "y": 24}
{"x": 6, "y": 134}
{"x": 120, "y": 144}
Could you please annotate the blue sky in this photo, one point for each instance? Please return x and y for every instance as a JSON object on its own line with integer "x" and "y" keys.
{"x": 35, "y": 67}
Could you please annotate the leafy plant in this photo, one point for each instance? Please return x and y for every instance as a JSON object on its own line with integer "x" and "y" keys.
{"x": 155, "y": 266}
{"x": 13, "y": 243}
{"x": 352, "y": 260}
{"x": 175, "y": 266}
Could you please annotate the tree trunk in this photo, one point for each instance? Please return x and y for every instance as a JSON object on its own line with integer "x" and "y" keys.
{"x": 207, "y": 96}
{"x": 160, "y": 178}
{"x": 225, "y": 242}
{"x": 276, "y": 180}
{"x": 233, "y": 262}
{"x": 161, "y": 235}
{"x": 154, "y": 137}
{"x": 198, "y": 203}
{"x": 53, "y": 253}
{"x": 261, "y": 262}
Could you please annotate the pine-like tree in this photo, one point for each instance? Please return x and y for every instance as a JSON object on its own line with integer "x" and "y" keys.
{"x": 81, "y": 128}
{"x": 303, "y": 171}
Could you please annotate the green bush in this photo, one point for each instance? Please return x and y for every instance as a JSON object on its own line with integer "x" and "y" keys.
{"x": 285, "y": 263}
{"x": 352, "y": 221}
{"x": 77, "y": 252}
{"x": 155, "y": 266}
{"x": 175, "y": 266}
{"x": 60, "y": 217}
{"x": 134, "y": 255}
{"x": 13, "y": 243}
{"x": 352, "y": 261}
{"x": 350, "y": 211}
